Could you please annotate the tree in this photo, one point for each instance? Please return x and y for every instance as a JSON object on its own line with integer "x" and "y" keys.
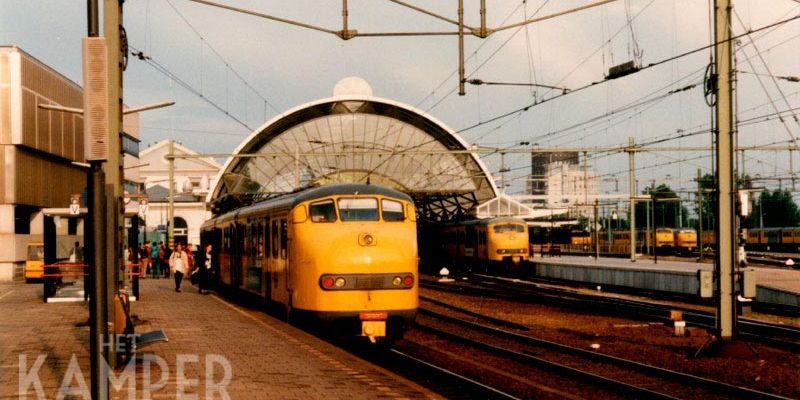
{"x": 666, "y": 212}
{"x": 776, "y": 209}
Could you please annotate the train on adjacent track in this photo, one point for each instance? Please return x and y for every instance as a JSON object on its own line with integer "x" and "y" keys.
{"x": 664, "y": 240}
{"x": 342, "y": 255}
{"x": 786, "y": 239}
{"x": 481, "y": 243}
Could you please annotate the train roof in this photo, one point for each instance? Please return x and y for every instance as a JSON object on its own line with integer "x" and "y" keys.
{"x": 348, "y": 188}
{"x": 290, "y": 200}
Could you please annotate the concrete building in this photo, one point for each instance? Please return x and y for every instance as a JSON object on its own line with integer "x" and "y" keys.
{"x": 570, "y": 185}
{"x": 537, "y": 184}
{"x": 37, "y": 149}
{"x": 193, "y": 178}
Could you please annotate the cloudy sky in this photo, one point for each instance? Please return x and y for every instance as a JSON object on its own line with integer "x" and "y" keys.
{"x": 253, "y": 68}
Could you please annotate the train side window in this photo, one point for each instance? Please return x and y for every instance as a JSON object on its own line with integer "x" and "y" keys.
{"x": 392, "y": 210}
{"x": 323, "y": 211}
{"x": 275, "y": 239}
{"x": 482, "y": 237}
{"x": 360, "y": 209}
{"x": 267, "y": 246}
{"x": 284, "y": 239}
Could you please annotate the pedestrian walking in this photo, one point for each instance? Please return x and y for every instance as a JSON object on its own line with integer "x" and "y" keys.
{"x": 205, "y": 269}
{"x": 163, "y": 255}
{"x": 178, "y": 263}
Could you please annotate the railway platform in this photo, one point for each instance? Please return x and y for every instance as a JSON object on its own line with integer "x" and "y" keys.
{"x": 214, "y": 348}
{"x": 774, "y": 286}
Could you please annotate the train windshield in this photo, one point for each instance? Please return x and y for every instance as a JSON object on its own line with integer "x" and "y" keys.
{"x": 361, "y": 209}
{"x": 392, "y": 210}
{"x": 323, "y": 211}
{"x": 509, "y": 228}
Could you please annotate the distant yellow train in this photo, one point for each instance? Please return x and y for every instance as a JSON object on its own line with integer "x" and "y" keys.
{"x": 680, "y": 240}
{"x": 785, "y": 239}
{"x": 342, "y": 255}
{"x": 485, "y": 242}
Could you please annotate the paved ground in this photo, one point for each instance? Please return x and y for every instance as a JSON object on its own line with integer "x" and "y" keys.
{"x": 44, "y": 349}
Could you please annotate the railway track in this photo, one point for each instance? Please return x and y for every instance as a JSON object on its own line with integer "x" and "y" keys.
{"x": 447, "y": 383}
{"x": 530, "y": 356}
{"x": 527, "y": 292}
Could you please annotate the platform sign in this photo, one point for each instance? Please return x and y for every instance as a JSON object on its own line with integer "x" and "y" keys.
{"x": 74, "y": 204}
{"x": 162, "y": 228}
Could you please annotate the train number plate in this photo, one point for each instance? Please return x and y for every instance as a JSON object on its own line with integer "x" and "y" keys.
{"x": 373, "y": 328}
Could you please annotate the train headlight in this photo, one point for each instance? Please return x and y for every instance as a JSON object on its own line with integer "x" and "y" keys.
{"x": 339, "y": 282}
{"x": 408, "y": 280}
{"x": 397, "y": 281}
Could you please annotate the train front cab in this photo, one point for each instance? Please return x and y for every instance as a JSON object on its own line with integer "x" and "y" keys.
{"x": 506, "y": 241}
{"x": 354, "y": 264}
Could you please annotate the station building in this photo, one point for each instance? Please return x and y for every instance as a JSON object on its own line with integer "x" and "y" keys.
{"x": 38, "y": 149}
{"x": 193, "y": 177}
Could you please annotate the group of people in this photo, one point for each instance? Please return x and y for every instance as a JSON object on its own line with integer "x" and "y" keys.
{"x": 158, "y": 260}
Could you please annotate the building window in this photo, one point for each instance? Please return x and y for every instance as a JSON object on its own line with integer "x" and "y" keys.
{"x": 130, "y": 145}
{"x": 22, "y": 219}
{"x": 72, "y": 226}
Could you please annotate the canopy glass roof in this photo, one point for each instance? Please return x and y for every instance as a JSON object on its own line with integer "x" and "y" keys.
{"x": 357, "y": 138}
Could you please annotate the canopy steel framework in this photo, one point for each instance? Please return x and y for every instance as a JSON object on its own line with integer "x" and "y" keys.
{"x": 356, "y": 137}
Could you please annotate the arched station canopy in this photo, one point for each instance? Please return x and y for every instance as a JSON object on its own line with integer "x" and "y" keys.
{"x": 356, "y": 137}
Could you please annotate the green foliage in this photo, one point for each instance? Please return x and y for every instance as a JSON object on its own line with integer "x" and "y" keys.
{"x": 775, "y": 209}
{"x": 668, "y": 209}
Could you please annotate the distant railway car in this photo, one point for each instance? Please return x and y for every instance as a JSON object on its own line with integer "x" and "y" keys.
{"x": 665, "y": 239}
{"x": 342, "y": 255}
{"x": 708, "y": 239}
{"x": 581, "y": 238}
{"x": 485, "y": 242}
{"x": 685, "y": 240}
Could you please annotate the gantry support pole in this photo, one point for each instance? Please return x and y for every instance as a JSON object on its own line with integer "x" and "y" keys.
{"x": 461, "y": 77}
{"x": 726, "y": 186}
{"x": 632, "y": 213}
{"x": 171, "y": 203}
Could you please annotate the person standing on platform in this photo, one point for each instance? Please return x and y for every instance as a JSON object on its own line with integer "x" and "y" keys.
{"x": 155, "y": 269}
{"x": 179, "y": 264}
{"x": 144, "y": 261}
{"x": 189, "y": 248}
{"x": 205, "y": 269}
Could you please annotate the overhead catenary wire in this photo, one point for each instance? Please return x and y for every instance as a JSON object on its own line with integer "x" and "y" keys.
{"x": 163, "y": 70}
{"x": 579, "y": 89}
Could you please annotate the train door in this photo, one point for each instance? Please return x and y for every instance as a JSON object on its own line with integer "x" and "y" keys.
{"x": 226, "y": 255}
{"x": 483, "y": 243}
{"x": 239, "y": 255}
{"x": 266, "y": 267}
{"x": 278, "y": 273}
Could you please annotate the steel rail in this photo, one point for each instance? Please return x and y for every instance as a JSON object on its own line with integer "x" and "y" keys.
{"x": 651, "y": 370}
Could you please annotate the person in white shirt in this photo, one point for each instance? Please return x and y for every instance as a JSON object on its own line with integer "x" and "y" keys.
{"x": 179, "y": 263}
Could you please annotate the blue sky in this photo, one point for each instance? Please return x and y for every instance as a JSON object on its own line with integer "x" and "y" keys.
{"x": 283, "y": 66}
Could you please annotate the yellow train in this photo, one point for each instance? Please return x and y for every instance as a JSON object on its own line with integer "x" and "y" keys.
{"x": 342, "y": 255}
{"x": 34, "y": 262}
{"x": 785, "y": 239}
{"x": 485, "y": 242}
{"x": 665, "y": 240}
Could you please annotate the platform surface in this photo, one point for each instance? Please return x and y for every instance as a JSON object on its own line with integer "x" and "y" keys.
{"x": 778, "y": 278}
{"x": 267, "y": 358}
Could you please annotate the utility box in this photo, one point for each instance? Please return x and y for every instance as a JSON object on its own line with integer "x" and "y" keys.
{"x": 749, "y": 283}
{"x": 705, "y": 283}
